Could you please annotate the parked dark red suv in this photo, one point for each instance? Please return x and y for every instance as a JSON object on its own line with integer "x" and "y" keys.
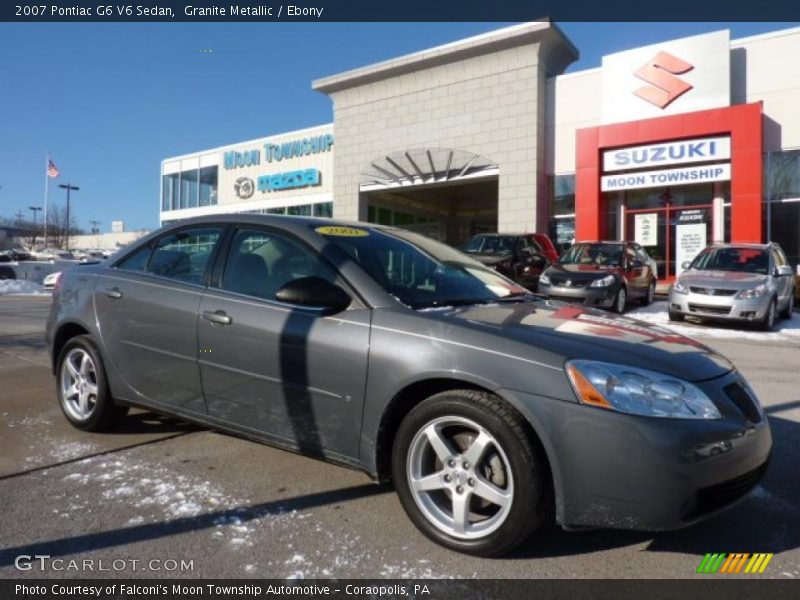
{"x": 519, "y": 256}
{"x": 605, "y": 274}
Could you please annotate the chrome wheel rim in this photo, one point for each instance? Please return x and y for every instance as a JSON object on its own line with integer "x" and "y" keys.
{"x": 771, "y": 315}
{"x": 460, "y": 477}
{"x": 79, "y": 384}
{"x": 621, "y": 300}
{"x": 651, "y": 293}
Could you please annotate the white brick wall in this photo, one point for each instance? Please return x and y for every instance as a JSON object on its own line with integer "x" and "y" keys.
{"x": 490, "y": 104}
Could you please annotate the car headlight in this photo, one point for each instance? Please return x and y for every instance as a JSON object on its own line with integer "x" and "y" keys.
{"x": 755, "y": 292}
{"x": 680, "y": 288}
{"x": 638, "y": 391}
{"x": 604, "y": 282}
{"x": 544, "y": 278}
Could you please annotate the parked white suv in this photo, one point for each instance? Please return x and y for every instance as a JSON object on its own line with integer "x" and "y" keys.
{"x": 741, "y": 282}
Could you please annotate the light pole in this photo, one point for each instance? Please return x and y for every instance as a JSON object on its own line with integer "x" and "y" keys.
{"x": 35, "y": 210}
{"x": 69, "y": 187}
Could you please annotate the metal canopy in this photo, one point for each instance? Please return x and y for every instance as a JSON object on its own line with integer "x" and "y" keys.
{"x": 424, "y": 166}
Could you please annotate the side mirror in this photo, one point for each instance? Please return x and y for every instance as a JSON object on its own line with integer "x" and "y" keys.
{"x": 783, "y": 271}
{"x": 314, "y": 292}
{"x": 685, "y": 265}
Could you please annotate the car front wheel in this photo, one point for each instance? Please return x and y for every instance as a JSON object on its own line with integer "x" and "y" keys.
{"x": 620, "y": 301}
{"x": 82, "y": 387}
{"x": 648, "y": 298}
{"x": 468, "y": 474}
{"x": 768, "y": 321}
{"x": 787, "y": 312}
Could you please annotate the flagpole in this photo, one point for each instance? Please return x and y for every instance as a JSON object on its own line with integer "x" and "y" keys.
{"x": 46, "y": 189}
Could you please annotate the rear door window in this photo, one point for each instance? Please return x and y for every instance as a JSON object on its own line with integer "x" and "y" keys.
{"x": 184, "y": 255}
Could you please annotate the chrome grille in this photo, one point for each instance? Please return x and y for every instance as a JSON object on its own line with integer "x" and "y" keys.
{"x": 711, "y": 291}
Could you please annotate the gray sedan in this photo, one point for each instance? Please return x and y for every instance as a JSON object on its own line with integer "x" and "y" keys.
{"x": 492, "y": 410}
{"x": 735, "y": 282}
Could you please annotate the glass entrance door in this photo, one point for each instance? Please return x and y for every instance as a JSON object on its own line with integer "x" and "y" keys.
{"x": 670, "y": 234}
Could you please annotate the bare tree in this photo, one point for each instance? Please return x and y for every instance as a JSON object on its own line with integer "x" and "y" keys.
{"x": 57, "y": 226}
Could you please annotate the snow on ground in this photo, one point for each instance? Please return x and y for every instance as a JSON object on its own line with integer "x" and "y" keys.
{"x": 21, "y": 287}
{"x": 152, "y": 493}
{"x": 656, "y": 313}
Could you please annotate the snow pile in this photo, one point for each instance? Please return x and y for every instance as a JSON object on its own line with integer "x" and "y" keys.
{"x": 21, "y": 287}
{"x": 656, "y": 314}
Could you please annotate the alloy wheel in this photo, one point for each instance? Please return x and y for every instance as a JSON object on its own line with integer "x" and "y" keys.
{"x": 79, "y": 386}
{"x": 621, "y": 300}
{"x": 460, "y": 477}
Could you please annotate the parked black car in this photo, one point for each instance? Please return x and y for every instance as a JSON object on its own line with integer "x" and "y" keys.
{"x": 605, "y": 274}
{"x": 521, "y": 257}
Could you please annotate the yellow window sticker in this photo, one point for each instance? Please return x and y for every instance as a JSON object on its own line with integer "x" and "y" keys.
{"x": 342, "y": 231}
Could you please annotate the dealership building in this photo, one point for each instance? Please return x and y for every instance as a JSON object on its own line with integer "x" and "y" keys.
{"x": 674, "y": 145}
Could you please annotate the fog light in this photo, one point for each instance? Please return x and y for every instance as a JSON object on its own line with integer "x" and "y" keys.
{"x": 748, "y": 314}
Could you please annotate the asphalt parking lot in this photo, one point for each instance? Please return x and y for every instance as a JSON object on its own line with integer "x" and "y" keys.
{"x": 165, "y": 491}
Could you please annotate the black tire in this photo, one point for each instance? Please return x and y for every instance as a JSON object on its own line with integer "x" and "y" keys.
{"x": 530, "y": 483}
{"x": 786, "y": 313}
{"x": 648, "y": 297}
{"x": 620, "y": 300}
{"x": 675, "y": 315}
{"x": 104, "y": 413}
{"x": 768, "y": 321}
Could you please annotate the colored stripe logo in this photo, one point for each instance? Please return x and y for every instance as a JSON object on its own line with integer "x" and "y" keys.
{"x": 741, "y": 562}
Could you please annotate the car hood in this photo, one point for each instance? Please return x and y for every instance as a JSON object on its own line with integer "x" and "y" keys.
{"x": 490, "y": 259}
{"x": 581, "y": 272}
{"x": 734, "y": 280}
{"x": 574, "y": 331}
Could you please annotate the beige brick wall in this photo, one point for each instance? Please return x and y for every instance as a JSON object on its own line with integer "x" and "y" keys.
{"x": 491, "y": 104}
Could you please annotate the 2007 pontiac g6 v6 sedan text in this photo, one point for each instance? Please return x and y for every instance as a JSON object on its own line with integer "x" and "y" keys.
{"x": 491, "y": 409}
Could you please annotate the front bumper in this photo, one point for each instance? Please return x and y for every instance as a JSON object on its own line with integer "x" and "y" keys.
{"x": 587, "y": 296}
{"x": 719, "y": 307}
{"x": 630, "y": 472}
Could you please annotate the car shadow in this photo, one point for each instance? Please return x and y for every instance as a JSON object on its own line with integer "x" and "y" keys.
{"x": 767, "y": 520}
{"x": 89, "y": 542}
{"x": 146, "y": 422}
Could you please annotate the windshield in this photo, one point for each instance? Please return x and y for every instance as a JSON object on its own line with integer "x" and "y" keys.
{"x": 747, "y": 260}
{"x": 491, "y": 244}
{"x": 418, "y": 271}
{"x": 609, "y": 255}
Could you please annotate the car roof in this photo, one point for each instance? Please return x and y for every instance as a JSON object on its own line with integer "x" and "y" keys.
{"x": 766, "y": 246}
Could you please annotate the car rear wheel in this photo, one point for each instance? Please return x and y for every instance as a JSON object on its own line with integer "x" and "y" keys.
{"x": 468, "y": 475}
{"x": 82, "y": 387}
{"x": 787, "y": 312}
{"x": 620, "y": 301}
{"x": 648, "y": 298}
{"x": 768, "y": 321}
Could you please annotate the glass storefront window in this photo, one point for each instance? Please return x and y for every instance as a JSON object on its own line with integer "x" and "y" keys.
{"x": 304, "y": 210}
{"x": 782, "y": 206}
{"x": 169, "y": 191}
{"x": 208, "y": 186}
{"x": 323, "y": 209}
{"x": 188, "y": 189}
{"x": 563, "y": 194}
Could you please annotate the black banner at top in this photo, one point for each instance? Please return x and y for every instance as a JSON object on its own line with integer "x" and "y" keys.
{"x": 406, "y": 10}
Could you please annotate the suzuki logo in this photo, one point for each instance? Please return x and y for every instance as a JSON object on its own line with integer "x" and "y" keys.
{"x": 660, "y": 71}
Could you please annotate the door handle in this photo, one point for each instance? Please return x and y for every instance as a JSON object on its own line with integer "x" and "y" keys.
{"x": 113, "y": 293}
{"x": 217, "y": 317}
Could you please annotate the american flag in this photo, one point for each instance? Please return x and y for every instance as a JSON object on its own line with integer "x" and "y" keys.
{"x": 52, "y": 169}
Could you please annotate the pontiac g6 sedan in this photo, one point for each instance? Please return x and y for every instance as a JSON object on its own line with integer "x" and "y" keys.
{"x": 492, "y": 410}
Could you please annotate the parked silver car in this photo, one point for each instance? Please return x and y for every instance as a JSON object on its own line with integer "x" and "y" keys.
{"x": 491, "y": 409}
{"x": 740, "y": 282}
